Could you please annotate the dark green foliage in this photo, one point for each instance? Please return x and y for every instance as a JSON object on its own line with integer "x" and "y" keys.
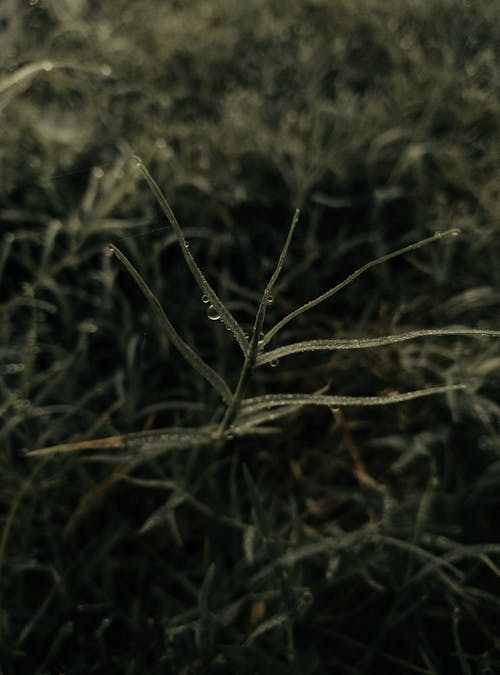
{"x": 357, "y": 540}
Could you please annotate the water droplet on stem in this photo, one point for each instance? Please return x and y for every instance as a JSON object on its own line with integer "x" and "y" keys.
{"x": 213, "y": 314}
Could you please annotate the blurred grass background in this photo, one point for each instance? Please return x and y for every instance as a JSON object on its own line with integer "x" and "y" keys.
{"x": 381, "y": 122}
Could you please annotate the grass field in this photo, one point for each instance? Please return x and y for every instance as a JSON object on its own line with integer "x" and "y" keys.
{"x": 191, "y": 492}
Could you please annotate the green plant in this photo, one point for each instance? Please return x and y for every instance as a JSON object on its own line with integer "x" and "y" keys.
{"x": 244, "y": 415}
{"x": 155, "y": 551}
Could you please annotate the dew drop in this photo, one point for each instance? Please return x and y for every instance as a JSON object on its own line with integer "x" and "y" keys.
{"x": 247, "y": 336}
{"x": 270, "y": 299}
{"x": 110, "y": 249}
{"x": 213, "y": 314}
{"x": 186, "y": 244}
{"x": 48, "y": 65}
{"x": 274, "y": 363}
{"x": 106, "y": 70}
{"x": 261, "y": 339}
{"x": 205, "y": 299}
{"x": 97, "y": 172}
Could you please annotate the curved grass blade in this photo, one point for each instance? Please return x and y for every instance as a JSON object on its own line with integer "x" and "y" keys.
{"x": 269, "y": 401}
{"x": 187, "y": 352}
{"x": 276, "y": 621}
{"x": 205, "y": 287}
{"x": 335, "y": 289}
{"x": 365, "y": 343}
{"x": 24, "y": 73}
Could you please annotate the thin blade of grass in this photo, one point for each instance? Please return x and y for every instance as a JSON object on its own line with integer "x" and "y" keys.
{"x": 24, "y": 73}
{"x": 198, "y": 275}
{"x": 14, "y": 506}
{"x": 217, "y": 382}
{"x": 260, "y": 514}
{"x": 459, "y": 650}
{"x": 365, "y": 343}
{"x": 244, "y": 424}
{"x": 256, "y": 343}
{"x": 270, "y": 401}
{"x": 205, "y": 629}
{"x": 282, "y": 258}
{"x": 264, "y": 527}
{"x": 335, "y": 289}
{"x": 176, "y": 437}
{"x": 276, "y": 621}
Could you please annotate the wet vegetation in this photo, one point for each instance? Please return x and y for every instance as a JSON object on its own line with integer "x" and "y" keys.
{"x": 215, "y": 457}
